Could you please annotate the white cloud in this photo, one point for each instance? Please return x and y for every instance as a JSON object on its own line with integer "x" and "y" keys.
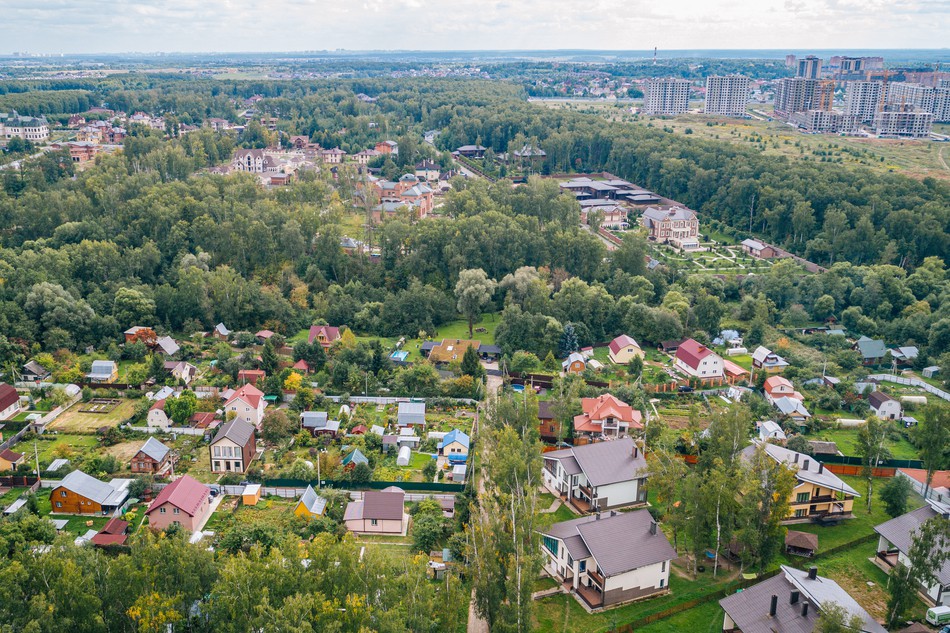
{"x": 268, "y": 25}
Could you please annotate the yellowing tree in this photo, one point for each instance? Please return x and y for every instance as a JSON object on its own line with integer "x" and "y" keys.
{"x": 293, "y": 382}
{"x": 152, "y": 613}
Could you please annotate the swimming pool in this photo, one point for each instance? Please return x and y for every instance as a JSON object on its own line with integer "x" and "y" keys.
{"x": 399, "y": 355}
{"x": 517, "y": 388}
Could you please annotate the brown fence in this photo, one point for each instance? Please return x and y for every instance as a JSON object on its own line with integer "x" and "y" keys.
{"x": 848, "y": 469}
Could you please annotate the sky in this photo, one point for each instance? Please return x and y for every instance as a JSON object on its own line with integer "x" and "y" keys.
{"x": 113, "y": 26}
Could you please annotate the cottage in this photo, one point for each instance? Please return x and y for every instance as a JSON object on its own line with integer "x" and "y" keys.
{"x": 819, "y": 495}
{"x": 411, "y": 414}
{"x": 377, "y": 513}
{"x": 905, "y": 355}
{"x": 407, "y": 437}
{"x": 884, "y": 406}
{"x": 471, "y": 151}
{"x": 185, "y": 502}
{"x": 758, "y": 249}
{"x": 454, "y": 446}
{"x": 599, "y": 476}
{"x": 450, "y": 350}
{"x": 154, "y": 458}
{"x": 9, "y": 401}
{"x": 114, "y": 532}
{"x": 428, "y": 170}
{"x": 233, "y": 447}
{"x": 324, "y": 334}
{"x": 156, "y": 417}
{"x": 549, "y": 428}
{"x": 221, "y": 332}
{"x": 896, "y": 538}
{"x": 791, "y": 601}
{"x": 623, "y": 349}
{"x": 103, "y": 371}
{"x": 248, "y": 405}
{"x": 251, "y": 376}
{"x": 78, "y": 493}
{"x": 167, "y": 345}
{"x": 311, "y": 505}
{"x": 776, "y": 387}
{"x": 606, "y": 415}
{"x": 609, "y": 558}
{"x": 318, "y": 423}
{"x": 873, "y": 351}
{"x": 34, "y": 372}
{"x": 698, "y": 361}
{"x": 770, "y": 430}
{"x": 9, "y": 460}
{"x": 180, "y": 370}
{"x": 575, "y": 363}
{"x": 764, "y": 358}
{"x": 353, "y": 458}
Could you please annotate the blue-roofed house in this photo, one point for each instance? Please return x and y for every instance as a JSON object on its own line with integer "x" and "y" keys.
{"x": 454, "y": 446}
{"x": 311, "y": 505}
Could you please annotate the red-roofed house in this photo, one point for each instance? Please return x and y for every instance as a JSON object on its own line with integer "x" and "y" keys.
{"x": 247, "y": 403}
{"x": 326, "y": 334}
{"x": 695, "y": 359}
{"x": 301, "y": 365}
{"x": 157, "y": 418}
{"x": 623, "y": 349}
{"x": 9, "y": 401}
{"x": 778, "y": 387}
{"x": 606, "y": 415}
{"x": 185, "y": 501}
{"x": 112, "y": 533}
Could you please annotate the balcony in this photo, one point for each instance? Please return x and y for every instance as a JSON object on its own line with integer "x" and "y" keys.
{"x": 590, "y": 596}
{"x": 598, "y": 579}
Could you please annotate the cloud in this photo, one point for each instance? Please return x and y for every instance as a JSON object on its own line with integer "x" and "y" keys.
{"x": 286, "y": 25}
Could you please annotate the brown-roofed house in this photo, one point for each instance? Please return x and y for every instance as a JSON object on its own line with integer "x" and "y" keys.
{"x": 9, "y": 401}
{"x": 801, "y": 543}
{"x": 377, "y": 513}
{"x": 9, "y": 460}
{"x": 451, "y": 349}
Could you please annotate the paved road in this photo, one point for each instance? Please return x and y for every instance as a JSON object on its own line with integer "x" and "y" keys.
{"x": 610, "y": 245}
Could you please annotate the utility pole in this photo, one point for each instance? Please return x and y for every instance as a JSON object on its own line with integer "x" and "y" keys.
{"x": 36, "y": 459}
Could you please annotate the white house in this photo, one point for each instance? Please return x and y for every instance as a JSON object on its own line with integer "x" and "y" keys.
{"x": 770, "y": 430}
{"x": 884, "y": 406}
{"x": 233, "y": 448}
{"x": 9, "y": 401}
{"x": 247, "y": 403}
{"x": 696, "y": 360}
{"x": 597, "y": 476}
{"x": 157, "y": 418}
{"x": 896, "y": 537}
{"x": 609, "y": 558}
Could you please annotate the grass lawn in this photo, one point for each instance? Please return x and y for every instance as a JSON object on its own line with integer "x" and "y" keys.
{"x": 72, "y": 421}
{"x": 76, "y": 525}
{"x": 706, "y": 618}
{"x": 418, "y": 461}
{"x": 847, "y": 440}
{"x": 10, "y": 496}
{"x": 51, "y": 446}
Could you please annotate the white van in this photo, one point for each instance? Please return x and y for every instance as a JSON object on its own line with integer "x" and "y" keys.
{"x": 938, "y": 615}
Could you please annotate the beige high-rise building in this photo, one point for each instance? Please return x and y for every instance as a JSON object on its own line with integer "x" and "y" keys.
{"x": 809, "y": 67}
{"x": 862, "y": 99}
{"x": 796, "y": 94}
{"x": 926, "y": 98}
{"x": 727, "y": 95}
{"x": 666, "y": 96}
{"x": 903, "y": 122}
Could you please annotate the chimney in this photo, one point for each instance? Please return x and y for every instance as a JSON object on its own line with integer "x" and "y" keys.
{"x": 793, "y": 599}
{"x": 805, "y": 609}
{"x": 773, "y": 606}
{"x": 805, "y": 464}
{"x": 653, "y": 528}
{"x": 821, "y": 468}
{"x": 812, "y": 573}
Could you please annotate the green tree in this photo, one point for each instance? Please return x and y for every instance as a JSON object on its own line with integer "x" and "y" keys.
{"x": 872, "y": 449}
{"x": 894, "y": 495}
{"x": 474, "y": 291}
{"x": 180, "y": 409}
{"x": 470, "y": 363}
{"x": 933, "y": 438}
{"x": 929, "y": 551}
{"x": 276, "y": 426}
{"x": 269, "y": 361}
{"x": 833, "y": 618}
{"x": 765, "y": 487}
{"x": 361, "y": 474}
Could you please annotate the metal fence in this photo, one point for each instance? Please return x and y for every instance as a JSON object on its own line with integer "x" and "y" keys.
{"x": 912, "y": 382}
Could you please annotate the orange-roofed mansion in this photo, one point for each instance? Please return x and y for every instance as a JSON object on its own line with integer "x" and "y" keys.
{"x": 608, "y": 416}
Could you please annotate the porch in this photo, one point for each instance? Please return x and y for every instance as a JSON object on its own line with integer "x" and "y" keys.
{"x": 589, "y": 596}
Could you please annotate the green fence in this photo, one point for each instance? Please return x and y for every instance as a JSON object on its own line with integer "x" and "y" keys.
{"x": 408, "y": 486}
{"x": 851, "y": 460}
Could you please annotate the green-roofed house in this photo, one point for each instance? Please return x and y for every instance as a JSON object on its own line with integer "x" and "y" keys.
{"x": 354, "y": 458}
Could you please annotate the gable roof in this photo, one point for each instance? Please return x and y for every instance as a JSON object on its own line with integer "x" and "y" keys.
{"x": 455, "y": 435}
{"x": 185, "y": 493}
{"x": 10, "y": 456}
{"x": 900, "y": 533}
{"x": 238, "y": 431}
{"x": 749, "y": 608}
{"x": 91, "y": 488}
{"x": 411, "y": 413}
{"x": 572, "y": 358}
{"x": 155, "y": 449}
{"x": 355, "y": 457}
{"x": 222, "y": 330}
{"x": 621, "y": 342}
{"x": 809, "y": 469}
{"x": 383, "y": 505}
{"x": 691, "y": 352}
{"x": 618, "y": 541}
{"x": 331, "y": 333}
{"x": 878, "y": 398}
{"x": 602, "y": 407}
{"x": 871, "y": 348}
{"x": 35, "y": 368}
{"x": 774, "y": 382}
{"x": 761, "y": 355}
{"x": 314, "y": 419}
{"x": 247, "y": 393}
{"x": 8, "y": 396}
{"x": 603, "y": 462}
{"x": 314, "y": 503}
{"x": 801, "y": 540}
{"x": 168, "y": 345}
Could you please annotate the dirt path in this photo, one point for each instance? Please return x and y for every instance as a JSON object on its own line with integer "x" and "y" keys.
{"x": 942, "y": 161}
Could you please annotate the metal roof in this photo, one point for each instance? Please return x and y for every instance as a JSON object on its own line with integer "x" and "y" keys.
{"x": 91, "y": 488}
{"x": 900, "y": 533}
{"x": 411, "y": 413}
{"x": 603, "y": 462}
{"x": 154, "y": 449}
{"x": 238, "y": 431}
{"x": 809, "y": 468}
{"x": 314, "y": 503}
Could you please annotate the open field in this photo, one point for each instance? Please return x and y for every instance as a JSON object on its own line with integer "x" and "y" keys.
{"x": 125, "y": 451}
{"x": 74, "y": 421}
{"x": 847, "y": 441}
{"x": 52, "y": 446}
{"x": 917, "y": 159}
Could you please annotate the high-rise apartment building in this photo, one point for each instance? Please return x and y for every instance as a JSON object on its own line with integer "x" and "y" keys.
{"x": 666, "y": 96}
{"x": 906, "y": 121}
{"x": 933, "y": 100}
{"x": 727, "y": 95}
{"x": 862, "y": 99}
{"x": 824, "y": 122}
{"x": 796, "y": 94}
{"x": 809, "y": 67}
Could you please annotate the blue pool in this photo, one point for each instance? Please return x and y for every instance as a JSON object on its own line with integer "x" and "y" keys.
{"x": 399, "y": 355}
{"x": 517, "y": 388}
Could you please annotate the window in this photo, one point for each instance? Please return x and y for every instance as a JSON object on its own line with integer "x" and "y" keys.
{"x": 59, "y": 504}
{"x": 62, "y": 493}
{"x": 662, "y": 582}
{"x": 799, "y": 513}
{"x": 663, "y": 566}
{"x": 162, "y": 510}
{"x": 550, "y": 544}
{"x": 582, "y": 566}
{"x": 176, "y": 511}
{"x": 373, "y": 522}
{"x": 802, "y": 497}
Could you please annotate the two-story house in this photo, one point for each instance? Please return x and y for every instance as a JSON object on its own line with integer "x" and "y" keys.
{"x": 609, "y": 558}
{"x": 247, "y": 403}
{"x": 186, "y": 502}
{"x": 154, "y": 458}
{"x": 764, "y": 358}
{"x": 79, "y": 493}
{"x": 677, "y": 226}
{"x": 623, "y": 349}
{"x": 884, "y": 406}
{"x": 896, "y": 537}
{"x": 324, "y": 334}
{"x": 776, "y": 387}
{"x": 599, "y": 476}
{"x": 606, "y": 415}
{"x": 233, "y": 447}
{"x": 819, "y": 495}
{"x": 698, "y": 361}
{"x": 9, "y": 401}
